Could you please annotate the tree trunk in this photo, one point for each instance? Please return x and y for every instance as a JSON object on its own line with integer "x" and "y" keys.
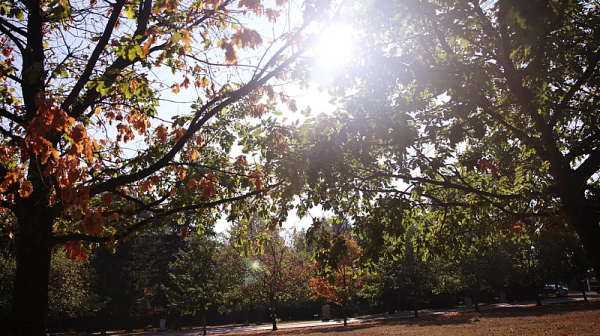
{"x": 344, "y": 312}
{"x": 33, "y": 253}
{"x": 273, "y": 314}
{"x": 538, "y": 301}
{"x": 586, "y": 224}
{"x": 582, "y": 290}
{"x": 476, "y": 300}
{"x": 204, "y": 322}
{"x": 416, "y": 307}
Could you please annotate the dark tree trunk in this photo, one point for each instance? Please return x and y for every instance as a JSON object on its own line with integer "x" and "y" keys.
{"x": 416, "y": 307}
{"x": 204, "y": 322}
{"x": 476, "y": 300}
{"x": 33, "y": 251}
{"x": 582, "y": 290}
{"x": 585, "y": 222}
{"x": 538, "y": 302}
{"x": 344, "y": 312}
{"x": 273, "y": 313}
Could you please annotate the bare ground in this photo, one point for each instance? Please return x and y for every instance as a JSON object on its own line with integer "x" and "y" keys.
{"x": 557, "y": 319}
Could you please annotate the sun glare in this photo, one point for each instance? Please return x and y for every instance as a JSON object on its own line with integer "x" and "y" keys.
{"x": 334, "y": 47}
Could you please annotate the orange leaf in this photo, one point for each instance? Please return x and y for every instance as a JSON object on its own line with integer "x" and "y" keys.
{"x": 515, "y": 228}
{"x": 146, "y": 186}
{"x": 191, "y": 184}
{"x": 107, "y": 199}
{"x": 184, "y": 232}
{"x": 26, "y": 189}
{"x": 161, "y": 133}
{"x": 194, "y": 155}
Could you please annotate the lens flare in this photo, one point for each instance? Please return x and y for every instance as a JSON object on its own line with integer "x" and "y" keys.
{"x": 334, "y": 47}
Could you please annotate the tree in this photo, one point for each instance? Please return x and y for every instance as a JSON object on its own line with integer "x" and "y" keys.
{"x": 276, "y": 274}
{"x": 80, "y": 80}
{"x": 341, "y": 277}
{"x": 495, "y": 100}
{"x": 199, "y": 277}
{"x": 562, "y": 258}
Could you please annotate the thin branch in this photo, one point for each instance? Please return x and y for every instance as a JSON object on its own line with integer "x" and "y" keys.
{"x": 13, "y": 38}
{"x": 141, "y": 224}
{"x": 7, "y": 133}
{"x": 446, "y": 184}
{"x": 91, "y": 64}
{"x": 582, "y": 80}
{"x": 588, "y": 168}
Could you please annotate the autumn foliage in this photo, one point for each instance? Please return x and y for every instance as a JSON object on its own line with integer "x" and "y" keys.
{"x": 341, "y": 276}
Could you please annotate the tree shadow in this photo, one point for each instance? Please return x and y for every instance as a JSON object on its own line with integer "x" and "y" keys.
{"x": 451, "y": 318}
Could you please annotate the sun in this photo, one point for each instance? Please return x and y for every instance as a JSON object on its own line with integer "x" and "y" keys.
{"x": 334, "y": 47}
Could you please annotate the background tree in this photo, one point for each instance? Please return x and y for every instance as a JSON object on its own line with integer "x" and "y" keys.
{"x": 80, "y": 80}
{"x": 562, "y": 258}
{"x": 341, "y": 277}
{"x": 198, "y": 277}
{"x": 275, "y": 273}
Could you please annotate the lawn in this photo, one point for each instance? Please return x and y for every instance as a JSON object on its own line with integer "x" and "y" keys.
{"x": 557, "y": 319}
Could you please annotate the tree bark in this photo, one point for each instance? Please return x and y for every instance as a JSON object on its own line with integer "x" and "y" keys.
{"x": 204, "y": 322}
{"x": 416, "y": 307}
{"x": 33, "y": 252}
{"x": 273, "y": 314}
{"x": 585, "y": 222}
{"x": 538, "y": 302}
{"x": 582, "y": 290}
{"x": 476, "y": 300}
{"x": 344, "y": 312}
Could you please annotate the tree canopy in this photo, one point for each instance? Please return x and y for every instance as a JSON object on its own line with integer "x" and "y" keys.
{"x": 463, "y": 112}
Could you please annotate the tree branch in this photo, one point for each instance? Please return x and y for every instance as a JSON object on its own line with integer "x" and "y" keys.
{"x": 7, "y": 133}
{"x": 4, "y": 113}
{"x": 13, "y": 38}
{"x": 13, "y": 27}
{"x": 91, "y": 64}
{"x": 582, "y": 80}
{"x": 141, "y": 224}
{"x": 197, "y": 123}
{"x": 445, "y": 184}
{"x": 588, "y": 168}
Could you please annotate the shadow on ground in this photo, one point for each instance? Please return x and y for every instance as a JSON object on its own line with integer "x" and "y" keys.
{"x": 450, "y": 319}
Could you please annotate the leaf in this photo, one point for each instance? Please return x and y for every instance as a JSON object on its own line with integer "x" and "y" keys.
{"x": 161, "y": 133}
{"x": 184, "y": 232}
{"x": 26, "y": 189}
{"x": 194, "y": 155}
{"x": 230, "y": 53}
{"x": 176, "y": 37}
{"x": 192, "y": 184}
{"x": 107, "y": 199}
{"x": 130, "y": 12}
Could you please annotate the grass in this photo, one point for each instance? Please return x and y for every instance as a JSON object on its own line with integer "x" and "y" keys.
{"x": 557, "y": 319}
